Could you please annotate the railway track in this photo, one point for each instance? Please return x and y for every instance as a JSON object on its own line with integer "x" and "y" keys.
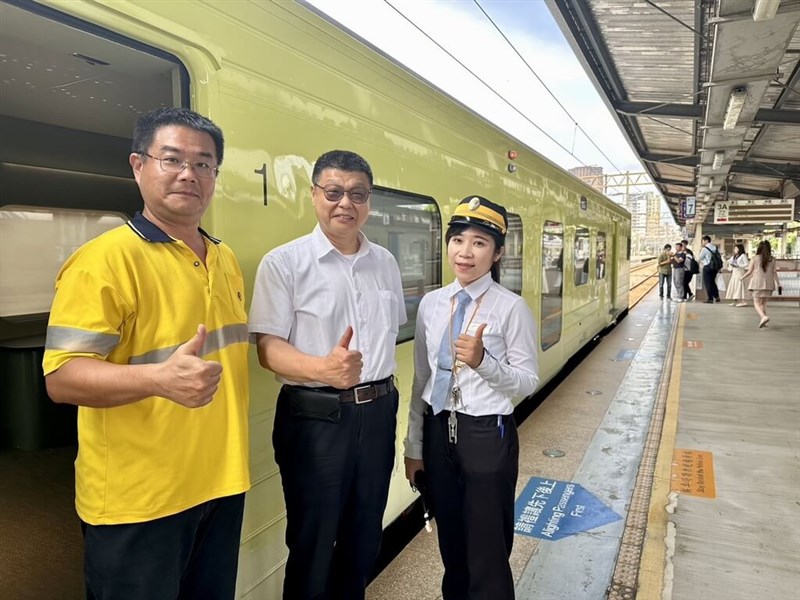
{"x": 643, "y": 278}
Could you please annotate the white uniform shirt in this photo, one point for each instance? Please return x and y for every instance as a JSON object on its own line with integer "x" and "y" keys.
{"x": 307, "y": 293}
{"x": 510, "y": 369}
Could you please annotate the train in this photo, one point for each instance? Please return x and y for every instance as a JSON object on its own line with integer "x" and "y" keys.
{"x": 285, "y": 84}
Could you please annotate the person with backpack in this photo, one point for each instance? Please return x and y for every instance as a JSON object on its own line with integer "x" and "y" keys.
{"x": 711, "y": 263}
{"x": 692, "y": 269}
{"x": 678, "y": 272}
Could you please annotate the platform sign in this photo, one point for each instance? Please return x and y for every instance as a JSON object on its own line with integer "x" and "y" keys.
{"x": 693, "y": 473}
{"x": 721, "y": 212}
{"x": 550, "y": 510}
{"x": 682, "y": 209}
{"x": 691, "y": 207}
{"x": 754, "y": 211}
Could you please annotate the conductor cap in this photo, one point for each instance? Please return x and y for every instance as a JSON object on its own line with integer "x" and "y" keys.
{"x": 481, "y": 212}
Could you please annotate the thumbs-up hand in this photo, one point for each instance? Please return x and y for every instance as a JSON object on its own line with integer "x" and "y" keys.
{"x": 469, "y": 349}
{"x": 343, "y": 366}
{"x": 186, "y": 378}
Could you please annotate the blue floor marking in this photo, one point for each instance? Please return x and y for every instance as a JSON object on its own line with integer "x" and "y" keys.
{"x": 552, "y": 509}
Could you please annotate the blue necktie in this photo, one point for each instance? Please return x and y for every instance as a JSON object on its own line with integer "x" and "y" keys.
{"x": 443, "y": 382}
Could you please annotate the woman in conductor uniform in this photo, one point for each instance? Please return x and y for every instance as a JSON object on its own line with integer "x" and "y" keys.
{"x": 475, "y": 350}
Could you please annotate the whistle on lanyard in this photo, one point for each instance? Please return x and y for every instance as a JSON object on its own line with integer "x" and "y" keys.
{"x": 419, "y": 485}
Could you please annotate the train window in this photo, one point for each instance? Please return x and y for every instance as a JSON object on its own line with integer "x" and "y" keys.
{"x": 600, "y": 266}
{"x": 552, "y": 283}
{"x": 511, "y": 263}
{"x": 28, "y": 268}
{"x": 410, "y": 227}
{"x": 581, "y": 255}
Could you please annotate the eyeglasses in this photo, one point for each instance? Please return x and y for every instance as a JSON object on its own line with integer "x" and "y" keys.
{"x": 170, "y": 164}
{"x": 357, "y": 195}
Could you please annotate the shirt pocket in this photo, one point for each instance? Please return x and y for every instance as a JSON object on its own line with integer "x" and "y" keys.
{"x": 387, "y": 308}
{"x": 492, "y": 337}
{"x": 236, "y": 291}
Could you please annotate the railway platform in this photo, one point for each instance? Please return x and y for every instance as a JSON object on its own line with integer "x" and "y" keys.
{"x": 665, "y": 466}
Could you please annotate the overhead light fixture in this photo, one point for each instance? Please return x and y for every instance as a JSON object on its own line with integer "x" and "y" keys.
{"x": 764, "y": 10}
{"x": 719, "y": 156}
{"x": 707, "y": 198}
{"x": 710, "y": 182}
{"x": 734, "y": 108}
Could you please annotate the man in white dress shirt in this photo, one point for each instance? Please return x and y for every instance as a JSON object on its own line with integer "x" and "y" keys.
{"x": 325, "y": 315}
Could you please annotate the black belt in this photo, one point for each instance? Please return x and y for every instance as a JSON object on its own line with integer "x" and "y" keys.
{"x": 363, "y": 393}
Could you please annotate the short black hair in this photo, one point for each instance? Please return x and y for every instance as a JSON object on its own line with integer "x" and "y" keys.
{"x": 667, "y": 247}
{"x": 707, "y": 238}
{"x": 344, "y": 160}
{"x": 146, "y": 126}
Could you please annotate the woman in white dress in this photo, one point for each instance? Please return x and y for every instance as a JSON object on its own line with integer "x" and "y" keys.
{"x": 738, "y": 264}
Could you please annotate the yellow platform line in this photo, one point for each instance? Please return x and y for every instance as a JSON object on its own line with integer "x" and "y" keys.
{"x": 651, "y": 567}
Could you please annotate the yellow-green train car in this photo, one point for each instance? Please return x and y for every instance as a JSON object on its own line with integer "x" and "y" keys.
{"x": 285, "y": 85}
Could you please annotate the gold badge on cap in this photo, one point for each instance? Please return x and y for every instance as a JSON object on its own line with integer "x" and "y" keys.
{"x": 474, "y": 203}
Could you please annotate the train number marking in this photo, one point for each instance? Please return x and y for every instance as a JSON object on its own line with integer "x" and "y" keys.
{"x": 263, "y": 172}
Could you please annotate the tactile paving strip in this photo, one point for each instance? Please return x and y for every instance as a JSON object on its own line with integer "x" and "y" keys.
{"x": 626, "y": 572}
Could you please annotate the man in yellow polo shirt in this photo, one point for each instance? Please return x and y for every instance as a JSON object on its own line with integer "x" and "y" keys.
{"x": 148, "y": 336}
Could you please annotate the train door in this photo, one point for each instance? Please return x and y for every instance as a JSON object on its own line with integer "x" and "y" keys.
{"x": 613, "y": 265}
{"x": 70, "y": 95}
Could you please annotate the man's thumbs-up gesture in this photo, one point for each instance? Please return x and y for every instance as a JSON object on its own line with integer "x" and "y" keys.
{"x": 469, "y": 349}
{"x": 188, "y": 379}
{"x": 343, "y": 366}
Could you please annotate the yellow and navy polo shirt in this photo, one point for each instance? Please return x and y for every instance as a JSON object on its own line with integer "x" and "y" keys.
{"x": 132, "y": 296}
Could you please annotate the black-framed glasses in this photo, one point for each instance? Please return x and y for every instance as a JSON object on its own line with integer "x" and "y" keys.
{"x": 333, "y": 193}
{"x": 170, "y": 164}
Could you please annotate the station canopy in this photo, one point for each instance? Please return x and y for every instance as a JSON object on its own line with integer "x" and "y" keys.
{"x": 708, "y": 95}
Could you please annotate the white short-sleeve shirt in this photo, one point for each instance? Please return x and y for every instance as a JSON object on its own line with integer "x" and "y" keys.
{"x": 307, "y": 293}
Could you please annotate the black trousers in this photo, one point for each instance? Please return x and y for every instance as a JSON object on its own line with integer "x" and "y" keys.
{"x": 192, "y": 555}
{"x": 687, "y": 279}
{"x": 335, "y": 480}
{"x": 471, "y": 488}
{"x": 709, "y": 277}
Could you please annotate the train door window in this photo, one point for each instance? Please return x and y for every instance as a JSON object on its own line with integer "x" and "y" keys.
{"x": 71, "y": 94}
{"x": 581, "y": 255}
{"x": 552, "y": 283}
{"x": 600, "y": 265}
{"x": 511, "y": 263}
{"x": 410, "y": 227}
{"x": 28, "y": 267}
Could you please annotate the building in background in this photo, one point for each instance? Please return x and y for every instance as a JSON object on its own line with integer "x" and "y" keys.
{"x": 592, "y": 175}
{"x": 651, "y": 227}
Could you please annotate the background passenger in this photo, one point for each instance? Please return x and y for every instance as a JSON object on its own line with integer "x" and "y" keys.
{"x": 162, "y": 461}
{"x": 691, "y": 267}
{"x": 474, "y": 351}
{"x": 678, "y": 272}
{"x": 326, "y": 312}
{"x": 738, "y": 264}
{"x": 762, "y": 279}
{"x": 665, "y": 272}
{"x": 709, "y": 269}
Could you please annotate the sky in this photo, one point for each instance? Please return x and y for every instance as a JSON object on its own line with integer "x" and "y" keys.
{"x": 461, "y": 27}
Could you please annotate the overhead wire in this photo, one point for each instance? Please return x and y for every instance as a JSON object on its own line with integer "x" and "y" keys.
{"x": 489, "y": 87}
{"x": 544, "y": 85}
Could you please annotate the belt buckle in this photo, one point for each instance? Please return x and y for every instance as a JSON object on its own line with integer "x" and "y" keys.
{"x": 358, "y": 389}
